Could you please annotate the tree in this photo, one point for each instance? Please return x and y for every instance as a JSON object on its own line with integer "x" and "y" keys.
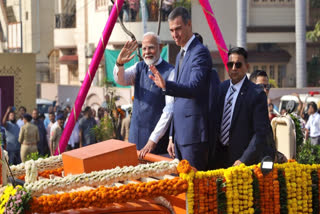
{"x": 315, "y": 34}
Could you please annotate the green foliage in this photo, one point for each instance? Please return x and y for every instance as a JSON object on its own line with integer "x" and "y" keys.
{"x": 273, "y": 83}
{"x": 105, "y": 130}
{"x": 183, "y": 3}
{"x": 315, "y": 191}
{"x": 313, "y": 71}
{"x": 309, "y": 154}
{"x": 299, "y": 133}
{"x": 306, "y": 153}
{"x": 315, "y": 3}
{"x": 256, "y": 194}
{"x": 35, "y": 156}
{"x": 221, "y": 197}
{"x": 315, "y": 34}
{"x": 283, "y": 192}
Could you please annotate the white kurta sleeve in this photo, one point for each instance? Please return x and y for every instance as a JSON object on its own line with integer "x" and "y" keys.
{"x": 165, "y": 118}
{"x": 125, "y": 77}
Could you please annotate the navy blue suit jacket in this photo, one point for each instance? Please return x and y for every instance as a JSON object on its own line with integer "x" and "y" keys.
{"x": 191, "y": 90}
{"x": 249, "y": 129}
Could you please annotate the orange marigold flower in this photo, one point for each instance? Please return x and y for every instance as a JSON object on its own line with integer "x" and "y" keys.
{"x": 184, "y": 167}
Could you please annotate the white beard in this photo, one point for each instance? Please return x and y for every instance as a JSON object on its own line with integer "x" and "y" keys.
{"x": 149, "y": 61}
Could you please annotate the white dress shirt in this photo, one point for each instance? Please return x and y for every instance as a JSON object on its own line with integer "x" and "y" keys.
{"x": 74, "y": 137}
{"x": 235, "y": 95}
{"x": 313, "y": 125}
{"x": 20, "y": 122}
{"x": 127, "y": 77}
{"x": 186, "y": 46}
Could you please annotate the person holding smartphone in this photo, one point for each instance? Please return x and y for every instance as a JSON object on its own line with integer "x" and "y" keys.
{"x": 12, "y": 134}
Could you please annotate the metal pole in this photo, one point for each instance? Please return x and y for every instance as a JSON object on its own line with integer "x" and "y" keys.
{"x": 301, "y": 65}
{"x": 242, "y": 23}
{"x": 143, "y": 14}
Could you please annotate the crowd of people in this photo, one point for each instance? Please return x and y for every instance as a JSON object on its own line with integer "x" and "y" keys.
{"x": 131, "y": 8}
{"x": 31, "y": 133}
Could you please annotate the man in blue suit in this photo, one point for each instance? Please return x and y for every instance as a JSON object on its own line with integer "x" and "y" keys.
{"x": 190, "y": 89}
{"x": 243, "y": 116}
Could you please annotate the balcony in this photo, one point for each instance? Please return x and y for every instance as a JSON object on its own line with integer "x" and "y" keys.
{"x": 131, "y": 10}
{"x": 65, "y": 20}
{"x": 64, "y": 38}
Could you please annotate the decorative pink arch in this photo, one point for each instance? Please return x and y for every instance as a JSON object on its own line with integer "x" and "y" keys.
{"x": 214, "y": 27}
{"x": 89, "y": 76}
{"x": 99, "y": 53}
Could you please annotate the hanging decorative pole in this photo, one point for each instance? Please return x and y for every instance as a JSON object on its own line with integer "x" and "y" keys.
{"x": 89, "y": 76}
{"x": 214, "y": 27}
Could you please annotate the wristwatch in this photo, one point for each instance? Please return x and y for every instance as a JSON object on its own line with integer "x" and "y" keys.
{"x": 118, "y": 64}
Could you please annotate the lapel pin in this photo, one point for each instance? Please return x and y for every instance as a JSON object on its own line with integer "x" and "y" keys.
{"x": 241, "y": 93}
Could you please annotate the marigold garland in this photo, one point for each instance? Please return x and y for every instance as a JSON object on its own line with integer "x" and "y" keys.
{"x": 239, "y": 189}
{"x": 276, "y": 191}
{"x": 103, "y": 177}
{"x": 51, "y": 162}
{"x": 189, "y": 177}
{"x": 256, "y": 190}
{"x": 287, "y": 189}
{"x": 183, "y": 167}
{"x": 101, "y": 196}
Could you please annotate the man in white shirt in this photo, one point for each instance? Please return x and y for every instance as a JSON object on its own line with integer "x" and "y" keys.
{"x": 22, "y": 111}
{"x": 151, "y": 114}
{"x": 313, "y": 124}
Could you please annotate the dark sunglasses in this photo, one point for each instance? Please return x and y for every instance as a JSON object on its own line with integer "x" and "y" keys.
{"x": 237, "y": 64}
{"x": 265, "y": 86}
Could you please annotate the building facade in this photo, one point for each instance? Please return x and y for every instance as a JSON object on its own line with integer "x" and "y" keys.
{"x": 63, "y": 34}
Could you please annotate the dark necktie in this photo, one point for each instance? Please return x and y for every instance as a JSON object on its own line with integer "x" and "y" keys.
{"x": 180, "y": 62}
{"x": 226, "y": 120}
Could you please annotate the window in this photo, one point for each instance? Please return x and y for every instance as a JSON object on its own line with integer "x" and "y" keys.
{"x": 264, "y": 68}
{"x": 281, "y": 74}
{"x": 271, "y": 72}
{"x": 101, "y": 4}
{"x": 27, "y": 15}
